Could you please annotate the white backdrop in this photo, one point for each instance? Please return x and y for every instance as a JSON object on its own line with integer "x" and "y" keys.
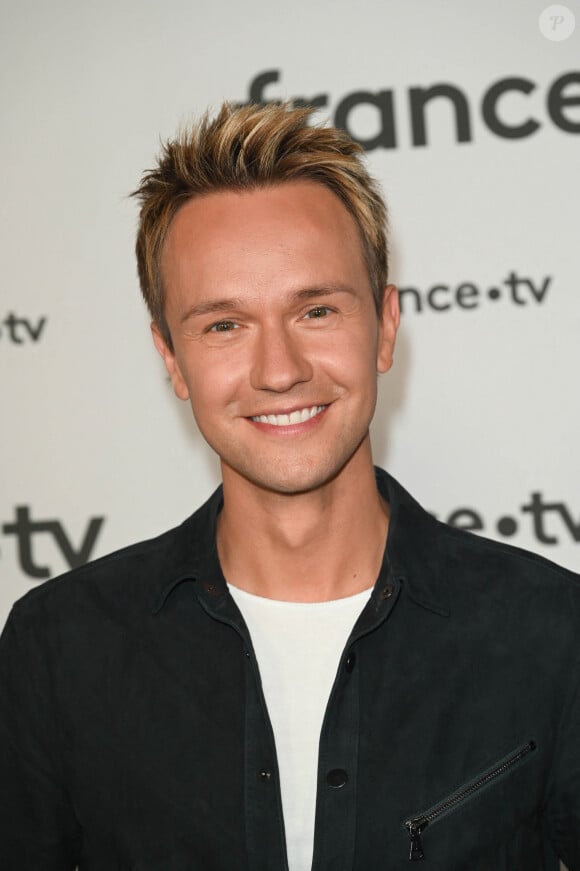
{"x": 480, "y": 417}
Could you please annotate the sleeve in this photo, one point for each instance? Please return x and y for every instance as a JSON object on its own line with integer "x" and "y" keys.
{"x": 38, "y": 829}
{"x": 562, "y": 815}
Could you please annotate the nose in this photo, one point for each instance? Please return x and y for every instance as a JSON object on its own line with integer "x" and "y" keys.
{"x": 279, "y": 362}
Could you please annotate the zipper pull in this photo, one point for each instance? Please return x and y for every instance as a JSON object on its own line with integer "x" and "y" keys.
{"x": 415, "y": 827}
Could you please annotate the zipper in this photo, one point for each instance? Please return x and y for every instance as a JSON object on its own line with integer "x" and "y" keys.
{"x": 417, "y": 825}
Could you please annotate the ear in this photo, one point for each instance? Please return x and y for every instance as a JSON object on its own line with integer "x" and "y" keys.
{"x": 177, "y": 380}
{"x": 389, "y": 320}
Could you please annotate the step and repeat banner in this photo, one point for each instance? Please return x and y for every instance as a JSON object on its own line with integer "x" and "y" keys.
{"x": 470, "y": 117}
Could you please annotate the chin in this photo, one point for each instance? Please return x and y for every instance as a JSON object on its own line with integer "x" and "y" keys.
{"x": 293, "y": 479}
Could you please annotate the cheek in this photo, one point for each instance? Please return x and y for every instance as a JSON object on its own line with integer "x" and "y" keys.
{"x": 212, "y": 380}
{"x": 351, "y": 356}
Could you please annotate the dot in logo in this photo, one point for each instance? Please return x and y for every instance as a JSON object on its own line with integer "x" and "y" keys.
{"x": 507, "y": 526}
{"x": 557, "y": 22}
{"x": 494, "y": 293}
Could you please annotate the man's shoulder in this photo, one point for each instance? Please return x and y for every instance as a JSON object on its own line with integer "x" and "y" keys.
{"x": 118, "y": 567}
{"x": 514, "y": 578}
{"x": 465, "y": 563}
{"x": 129, "y": 578}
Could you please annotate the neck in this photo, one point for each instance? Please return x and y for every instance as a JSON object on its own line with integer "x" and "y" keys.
{"x": 304, "y": 547}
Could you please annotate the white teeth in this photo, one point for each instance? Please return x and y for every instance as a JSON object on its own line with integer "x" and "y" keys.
{"x": 296, "y": 416}
{"x": 300, "y": 416}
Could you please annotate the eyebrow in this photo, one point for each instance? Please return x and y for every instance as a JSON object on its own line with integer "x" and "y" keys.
{"x": 213, "y": 306}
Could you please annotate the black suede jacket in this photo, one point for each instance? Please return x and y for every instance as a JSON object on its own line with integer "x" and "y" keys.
{"x": 134, "y": 733}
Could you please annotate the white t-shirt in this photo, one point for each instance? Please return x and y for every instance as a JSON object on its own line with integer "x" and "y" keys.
{"x": 298, "y": 647}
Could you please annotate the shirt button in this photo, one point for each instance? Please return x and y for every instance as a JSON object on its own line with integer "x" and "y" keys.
{"x": 350, "y": 662}
{"x": 264, "y": 775}
{"x": 336, "y": 778}
{"x": 386, "y": 592}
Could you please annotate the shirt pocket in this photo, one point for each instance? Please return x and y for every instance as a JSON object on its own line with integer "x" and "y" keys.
{"x": 417, "y": 824}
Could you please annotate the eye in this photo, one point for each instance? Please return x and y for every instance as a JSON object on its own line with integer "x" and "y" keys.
{"x": 223, "y": 327}
{"x": 319, "y": 311}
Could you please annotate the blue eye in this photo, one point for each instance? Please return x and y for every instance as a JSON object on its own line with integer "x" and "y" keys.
{"x": 319, "y": 311}
{"x": 223, "y": 327}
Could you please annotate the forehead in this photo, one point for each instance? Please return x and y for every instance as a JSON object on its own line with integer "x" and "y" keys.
{"x": 297, "y": 226}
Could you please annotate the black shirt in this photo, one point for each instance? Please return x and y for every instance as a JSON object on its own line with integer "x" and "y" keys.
{"x": 134, "y": 732}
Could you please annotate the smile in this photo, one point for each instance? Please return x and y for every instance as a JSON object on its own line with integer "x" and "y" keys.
{"x": 299, "y": 416}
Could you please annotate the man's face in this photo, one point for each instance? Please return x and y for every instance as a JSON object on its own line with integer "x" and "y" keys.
{"x": 277, "y": 343}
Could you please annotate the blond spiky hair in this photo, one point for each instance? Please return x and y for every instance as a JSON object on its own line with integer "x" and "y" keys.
{"x": 249, "y": 147}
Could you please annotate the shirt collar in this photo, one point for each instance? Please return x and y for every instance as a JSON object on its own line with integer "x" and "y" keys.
{"x": 415, "y": 547}
{"x": 414, "y": 555}
{"x": 194, "y": 556}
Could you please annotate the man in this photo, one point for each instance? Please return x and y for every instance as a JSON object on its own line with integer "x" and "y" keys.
{"x": 311, "y": 672}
